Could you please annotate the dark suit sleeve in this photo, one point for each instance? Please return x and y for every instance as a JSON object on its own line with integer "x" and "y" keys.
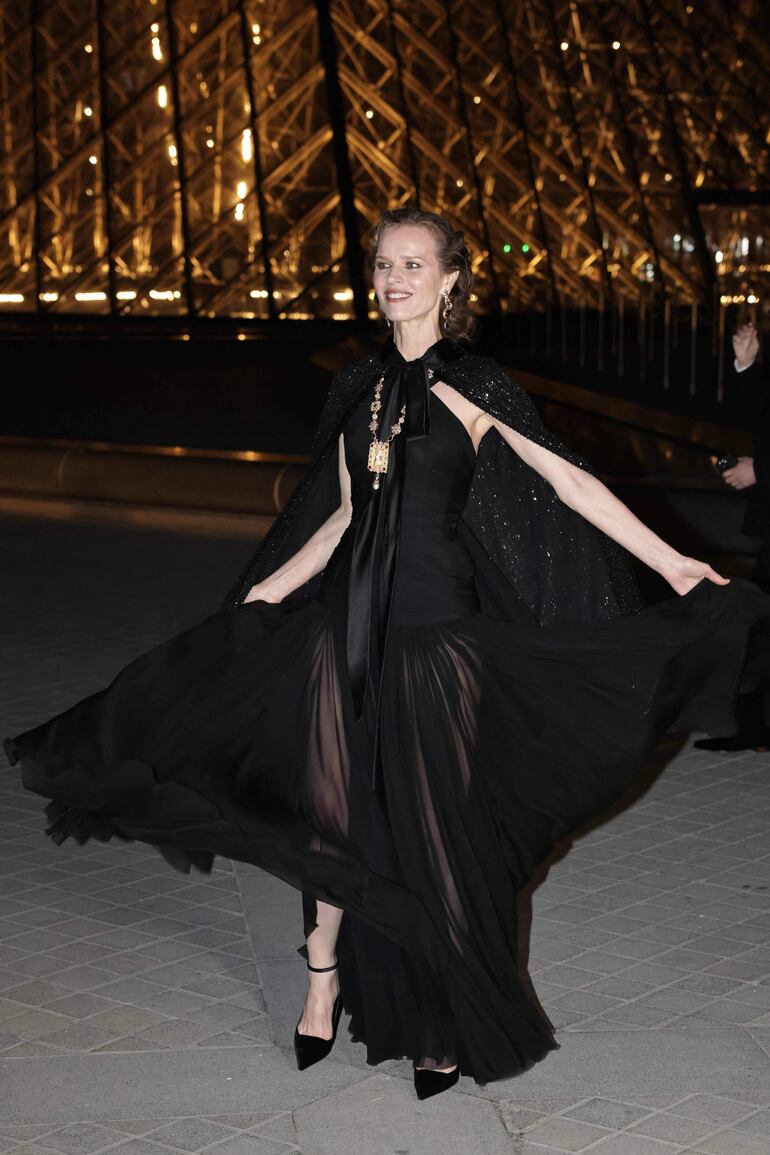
{"x": 751, "y": 389}
{"x": 752, "y": 393}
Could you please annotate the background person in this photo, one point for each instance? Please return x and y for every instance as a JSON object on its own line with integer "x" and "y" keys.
{"x": 752, "y": 387}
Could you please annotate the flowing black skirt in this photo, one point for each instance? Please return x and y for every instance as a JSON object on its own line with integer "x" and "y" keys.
{"x": 421, "y": 820}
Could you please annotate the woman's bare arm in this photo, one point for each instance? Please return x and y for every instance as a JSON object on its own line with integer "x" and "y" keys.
{"x": 592, "y": 499}
{"x": 315, "y": 553}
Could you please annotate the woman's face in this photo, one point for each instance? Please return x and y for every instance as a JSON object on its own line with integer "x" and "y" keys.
{"x": 407, "y": 278}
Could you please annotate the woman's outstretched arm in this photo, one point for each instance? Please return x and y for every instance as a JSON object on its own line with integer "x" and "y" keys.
{"x": 592, "y": 499}
{"x": 314, "y": 554}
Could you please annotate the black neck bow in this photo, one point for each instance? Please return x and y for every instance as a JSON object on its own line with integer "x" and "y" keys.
{"x": 412, "y": 380}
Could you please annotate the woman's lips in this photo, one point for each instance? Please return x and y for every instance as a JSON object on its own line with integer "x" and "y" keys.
{"x": 394, "y": 296}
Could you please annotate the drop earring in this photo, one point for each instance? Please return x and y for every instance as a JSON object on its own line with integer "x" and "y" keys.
{"x": 447, "y": 307}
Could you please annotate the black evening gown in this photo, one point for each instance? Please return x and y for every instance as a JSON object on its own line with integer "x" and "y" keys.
{"x": 422, "y": 817}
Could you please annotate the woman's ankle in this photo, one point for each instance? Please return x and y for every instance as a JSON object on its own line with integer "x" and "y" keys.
{"x": 320, "y": 954}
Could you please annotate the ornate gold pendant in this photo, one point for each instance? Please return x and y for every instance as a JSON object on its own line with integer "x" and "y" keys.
{"x": 379, "y": 451}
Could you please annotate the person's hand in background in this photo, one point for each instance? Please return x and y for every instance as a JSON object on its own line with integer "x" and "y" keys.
{"x": 742, "y": 475}
{"x": 745, "y": 346}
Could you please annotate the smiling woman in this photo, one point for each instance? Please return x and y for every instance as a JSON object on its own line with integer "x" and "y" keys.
{"x": 434, "y": 665}
{"x": 415, "y": 257}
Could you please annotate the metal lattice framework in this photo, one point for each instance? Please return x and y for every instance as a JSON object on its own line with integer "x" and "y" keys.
{"x": 228, "y": 157}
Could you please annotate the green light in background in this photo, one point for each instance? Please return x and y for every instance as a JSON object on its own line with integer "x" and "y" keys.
{"x": 506, "y": 248}
{"x": 525, "y": 248}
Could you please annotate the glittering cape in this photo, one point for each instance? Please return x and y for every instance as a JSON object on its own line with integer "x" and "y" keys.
{"x": 527, "y": 545}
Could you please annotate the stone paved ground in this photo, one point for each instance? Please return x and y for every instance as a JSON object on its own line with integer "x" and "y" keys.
{"x": 148, "y": 1011}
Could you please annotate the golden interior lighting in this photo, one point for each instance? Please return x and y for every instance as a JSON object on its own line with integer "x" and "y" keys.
{"x": 132, "y": 159}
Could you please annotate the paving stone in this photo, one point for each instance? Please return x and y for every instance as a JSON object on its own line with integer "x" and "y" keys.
{"x": 632, "y": 949}
{"x": 24, "y": 1131}
{"x": 129, "y": 990}
{"x": 257, "y": 1027}
{"x": 245, "y": 1122}
{"x": 608, "y": 1113}
{"x": 712, "y": 1108}
{"x": 565, "y": 1134}
{"x": 628, "y": 1144}
{"x": 134, "y": 1126}
{"x": 169, "y": 950}
{"x": 638, "y": 1014}
{"x": 83, "y": 1036}
{"x": 730, "y": 1011}
{"x": 82, "y": 952}
{"x": 673, "y": 1129}
{"x": 130, "y": 1043}
{"x": 34, "y": 994}
{"x": 11, "y": 1010}
{"x": 253, "y": 999}
{"x": 30, "y": 1149}
{"x": 157, "y": 927}
{"x": 127, "y": 963}
{"x": 81, "y": 1138}
{"x": 34, "y": 966}
{"x": 518, "y": 1119}
{"x": 35, "y": 1024}
{"x": 140, "y": 1147}
{"x": 252, "y": 1145}
{"x": 190, "y": 1134}
{"x": 732, "y": 1143}
{"x": 706, "y": 984}
{"x": 675, "y": 1000}
{"x": 219, "y": 986}
{"x": 24, "y": 1050}
{"x": 34, "y": 941}
{"x": 125, "y": 1020}
{"x": 82, "y": 978}
{"x": 209, "y": 937}
{"x": 213, "y": 962}
{"x": 176, "y": 1033}
{"x": 585, "y": 1001}
{"x": 234, "y": 1039}
{"x": 82, "y": 1005}
{"x": 758, "y": 1124}
{"x": 734, "y": 968}
{"x": 176, "y": 1003}
{"x": 220, "y": 1015}
{"x": 177, "y": 974}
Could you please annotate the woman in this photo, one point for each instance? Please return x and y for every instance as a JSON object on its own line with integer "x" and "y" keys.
{"x": 434, "y": 665}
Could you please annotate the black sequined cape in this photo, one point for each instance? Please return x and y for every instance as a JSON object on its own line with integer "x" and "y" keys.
{"x": 527, "y": 545}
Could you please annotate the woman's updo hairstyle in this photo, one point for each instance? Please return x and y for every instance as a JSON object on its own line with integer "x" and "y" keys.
{"x": 452, "y": 254}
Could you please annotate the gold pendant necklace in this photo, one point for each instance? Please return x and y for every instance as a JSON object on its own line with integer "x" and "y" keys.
{"x": 379, "y": 451}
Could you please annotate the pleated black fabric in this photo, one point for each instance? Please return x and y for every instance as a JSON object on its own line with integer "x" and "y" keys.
{"x": 490, "y": 738}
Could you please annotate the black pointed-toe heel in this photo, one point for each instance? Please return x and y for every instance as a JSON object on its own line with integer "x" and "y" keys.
{"x": 428, "y": 1082}
{"x": 311, "y": 1049}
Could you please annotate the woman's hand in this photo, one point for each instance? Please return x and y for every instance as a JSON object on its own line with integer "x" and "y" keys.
{"x": 684, "y": 573}
{"x": 261, "y": 592}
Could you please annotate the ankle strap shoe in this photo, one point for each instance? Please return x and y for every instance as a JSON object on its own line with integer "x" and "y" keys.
{"x": 311, "y": 1049}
